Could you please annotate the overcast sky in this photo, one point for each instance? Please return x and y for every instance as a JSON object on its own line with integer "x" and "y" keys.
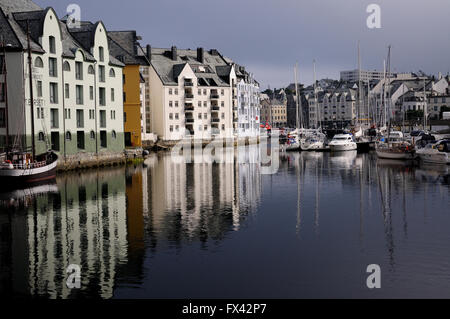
{"x": 269, "y": 36}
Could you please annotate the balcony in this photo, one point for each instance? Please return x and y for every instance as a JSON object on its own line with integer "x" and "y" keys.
{"x": 215, "y": 108}
{"x": 215, "y": 120}
{"x": 190, "y": 120}
{"x": 188, "y": 84}
{"x": 215, "y": 96}
{"x": 188, "y": 108}
{"x": 189, "y": 96}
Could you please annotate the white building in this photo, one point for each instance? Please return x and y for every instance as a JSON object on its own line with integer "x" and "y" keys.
{"x": 249, "y": 110}
{"x": 77, "y": 85}
{"x": 192, "y": 94}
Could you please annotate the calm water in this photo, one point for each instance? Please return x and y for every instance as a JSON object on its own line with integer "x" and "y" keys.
{"x": 174, "y": 230}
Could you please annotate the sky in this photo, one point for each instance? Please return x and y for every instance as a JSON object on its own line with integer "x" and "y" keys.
{"x": 270, "y": 36}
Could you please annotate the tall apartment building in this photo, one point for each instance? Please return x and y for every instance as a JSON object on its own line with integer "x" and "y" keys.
{"x": 77, "y": 84}
{"x": 362, "y": 75}
{"x": 249, "y": 112}
{"x": 192, "y": 94}
{"x": 125, "y": 47}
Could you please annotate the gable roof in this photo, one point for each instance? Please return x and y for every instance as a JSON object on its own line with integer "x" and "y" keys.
{"x": 214, "y": 71}
{"x": 123, "y": 45}
{"x": 18, "y": 6}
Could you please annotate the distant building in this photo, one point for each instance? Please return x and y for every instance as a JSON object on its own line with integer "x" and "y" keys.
{"x": 362, "y": 75}
{"x": 248, "y": 105}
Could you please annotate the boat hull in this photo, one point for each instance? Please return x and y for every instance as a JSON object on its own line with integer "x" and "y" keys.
{"x": 436, "y": 158}
{"x": 343, "y": 147}
{"x": 15, "y": 177}
{"x": 395, "y": 155}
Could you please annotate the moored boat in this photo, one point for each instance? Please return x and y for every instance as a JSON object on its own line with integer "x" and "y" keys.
{"x": 437, "y": 153}
{"x": 343, "y": 142}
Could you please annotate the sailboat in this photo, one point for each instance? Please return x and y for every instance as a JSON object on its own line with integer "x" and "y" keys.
{"x": 394, "y": 146}
{"x": 314, "y": 140}
{"x": 293, "y": 143}
{"x": 20, "y": 166}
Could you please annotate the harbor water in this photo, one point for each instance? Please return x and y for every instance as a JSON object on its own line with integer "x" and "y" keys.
{"x": 170, "y": 229}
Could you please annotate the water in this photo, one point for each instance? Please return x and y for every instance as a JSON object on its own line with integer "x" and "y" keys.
{"x": 175, "y": 230}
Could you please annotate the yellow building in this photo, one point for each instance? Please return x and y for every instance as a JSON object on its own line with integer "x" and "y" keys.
{"x": 124, "y": 46}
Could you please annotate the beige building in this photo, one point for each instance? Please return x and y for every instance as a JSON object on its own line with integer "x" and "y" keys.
{"x": 192, "y": 94}
{"x": 274, "y": 113}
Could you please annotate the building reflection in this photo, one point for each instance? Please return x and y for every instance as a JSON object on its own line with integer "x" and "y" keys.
{"x": 106, "y": 220}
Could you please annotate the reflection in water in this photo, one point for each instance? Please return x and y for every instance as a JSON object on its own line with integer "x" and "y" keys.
{"x": 142, "y": 227}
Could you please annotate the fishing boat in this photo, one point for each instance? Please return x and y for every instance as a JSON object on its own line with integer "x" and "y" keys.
{"x": 343, "y": 142}
{"x": 395, "y": 147}
{"x": 438, "y": 153}
{"x": 23, "y": 166}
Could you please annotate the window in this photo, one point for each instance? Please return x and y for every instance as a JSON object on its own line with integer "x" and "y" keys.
{"x": 176, "y": 116}
{"x": 92, "y": 135}
{"x": 103, "y": 119}
{"x": 223, "y": 116}
{"x": 52, "y": 45}
{"x": 2, "y": 92}
{"x": 113, "y": 134}
{"x": 38, "y": 63}
{"x": 171, "y": 128}
{"x": 199, "y": 116}
{"x": 112, "y": 95}
{"x": 91, "y": 114}
{"x": 101, "y": 54}
{"x": 170, "y": 103}
{"x": 112, "y": 73}
{"x": 39, "y": 88}
{"x": 222, "y": 92}
{"x": 66, "y": 66}
{"x": 170, "y": 91}
{"x": 79, "y": 92}
{"x": 52, "y": 67}
{"x": 67, "y": 91}
{"x": 199, "y": 92}
{"x": 91, "y": 93}
{"x": 91, "y": 70}
{"x": 199, "y": 103}
{"x": 176, "y": 91}
{"x": 222, "y": 104}
{"x": 124, "y": 96}
{"x": 113, "y": 115}
{"x": 53, "y": 93}
{"x": 41, "y": 136}
{"x": 171, "y": 116}
{"x": 205, "y": 104}
{"x": 2, "y": 117}
{"x": 124, "y": 117}
{"x": 67, "y": 114}
{"x": 80, "y": 118}
{"x": 176, "y": 103}
{"x": 79, "y": 70}
{"x": 101, "y": 73}
{"x": 102, "y": 96}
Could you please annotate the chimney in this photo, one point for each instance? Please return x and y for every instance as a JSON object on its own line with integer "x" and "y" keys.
{"x": 200, "y": 55}
{"x": 149, "y": 52}
{"x": 174, "y": 53}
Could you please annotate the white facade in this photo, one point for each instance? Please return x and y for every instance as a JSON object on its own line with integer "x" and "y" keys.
{"x": 189, "y": 109}
{"x": 249, "y": 110}
{"x": 77, "y": 108}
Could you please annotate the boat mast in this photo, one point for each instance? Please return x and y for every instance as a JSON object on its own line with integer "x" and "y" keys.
{"x": 5, "y": 73}
{"x": 315, "y": 97}
{"x": 389, "y": 88}
{"x": 383, "y": 98}
{"x": 359, "y": 85}
{"x": 296, "y": 96}
{"x": 425, "y": 106}
{"x": 30, "y": 66}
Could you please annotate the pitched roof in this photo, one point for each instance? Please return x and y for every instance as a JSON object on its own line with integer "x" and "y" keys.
{"x": 214, "y": 71}
{"x": 123, "y": 45}
{"x": 18, "y": 6}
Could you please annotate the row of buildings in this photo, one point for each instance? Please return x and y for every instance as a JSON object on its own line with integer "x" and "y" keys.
{"x": 363, "y": 98}
{"x": 97, "y": 91}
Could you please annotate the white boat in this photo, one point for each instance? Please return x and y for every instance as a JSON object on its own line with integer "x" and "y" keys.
{"x": 395, "y": 147}
{"x": 343, "y": 142}
{"x": 438, "y": 153}
{"x": 313, "y": 142}
{"x": 293, "y": 142}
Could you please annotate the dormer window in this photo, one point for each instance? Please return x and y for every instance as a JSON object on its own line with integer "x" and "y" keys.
{"x": 101, "y": 54}
{"x": 52, "y": 44}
